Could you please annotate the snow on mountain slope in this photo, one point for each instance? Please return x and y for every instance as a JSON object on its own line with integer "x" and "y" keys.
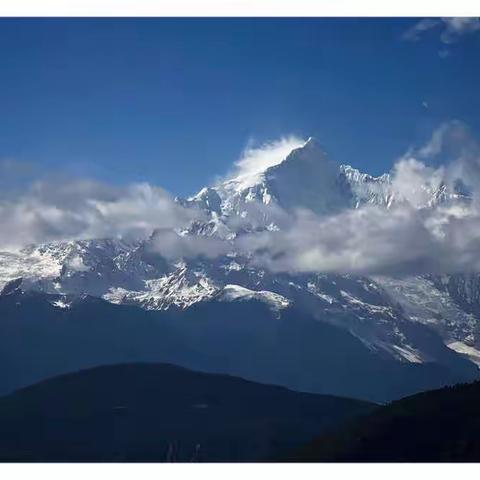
{"x": 367, "y": 189}
{"x": 236, "y": 292}
{"x": 29, "y": 266}
{"x": 84, "y": 266}
{"x": 468, "y": 351}
{"x": 425, "y": 303}
{"x": 427, "y": 300}
{"x": 181, "y": 288}
{"x": 388, "y": 315}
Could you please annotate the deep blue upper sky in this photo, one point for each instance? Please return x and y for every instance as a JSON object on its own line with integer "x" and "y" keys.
{"x": 174, "y": 101}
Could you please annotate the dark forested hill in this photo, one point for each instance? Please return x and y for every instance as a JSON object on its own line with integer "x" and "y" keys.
{"x": 435, "y": 426}
{"x": 159, "y": 412}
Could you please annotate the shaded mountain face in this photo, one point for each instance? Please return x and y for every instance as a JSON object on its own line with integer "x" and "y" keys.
{"x": 426, "y": 320}
{"x": 435, "y": 426}
{"x": 159, "y": 413}
{"x": 254, "y": 336}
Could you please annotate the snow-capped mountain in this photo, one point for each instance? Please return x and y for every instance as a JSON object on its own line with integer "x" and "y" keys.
{"x": 389, "y": 316}
{"x": 306, "y": 178}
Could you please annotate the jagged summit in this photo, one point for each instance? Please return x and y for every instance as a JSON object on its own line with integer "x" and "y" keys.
{"x": 306, "y": 177}
{"x": 311, "y": 151}
{"x": 207, "y": 198}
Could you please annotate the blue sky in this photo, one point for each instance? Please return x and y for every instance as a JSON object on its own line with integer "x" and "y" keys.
{"x": 175, "y": 101}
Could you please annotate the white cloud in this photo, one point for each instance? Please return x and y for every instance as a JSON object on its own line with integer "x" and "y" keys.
{"x": 372, "y": 241}
{"x": 53, "y": 210}
{"x": 435, "y": 145}
{"x": 455, "y": 27}
{"x": 255, "y": 160}
{"x": 454, "y": 145}
{"x": 451, "y": 29}
{"x": 415, "y": 32}
{"x": 172, "y": 246}
{"x": 414, "y": 236}
{"x": 414, "y": 182}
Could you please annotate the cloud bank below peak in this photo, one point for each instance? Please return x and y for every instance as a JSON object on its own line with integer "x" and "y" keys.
{"x": 413, "y": 236}
{"x": 51, "y": 209}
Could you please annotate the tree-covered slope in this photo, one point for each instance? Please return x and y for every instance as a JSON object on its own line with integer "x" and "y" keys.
{"x": 160, "y": 412}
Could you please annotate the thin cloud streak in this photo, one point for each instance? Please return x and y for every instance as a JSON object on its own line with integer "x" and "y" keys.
{"x": 451, "y": 28}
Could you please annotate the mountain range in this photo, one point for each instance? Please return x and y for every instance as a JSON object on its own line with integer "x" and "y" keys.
{"x": 375, "y": 337}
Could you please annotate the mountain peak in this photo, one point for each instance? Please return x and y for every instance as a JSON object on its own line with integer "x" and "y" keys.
{"x": 298, "y": 178}
{"x": 310, "y": 155}
{"x": 311, "y": 142}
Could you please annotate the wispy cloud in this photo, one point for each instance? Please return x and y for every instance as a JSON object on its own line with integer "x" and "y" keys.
{"x": 455, "y": 27}
{"x": 450, "y": 30}
{"x": 415, "y": 32}
{"x": 256, "y": 158}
